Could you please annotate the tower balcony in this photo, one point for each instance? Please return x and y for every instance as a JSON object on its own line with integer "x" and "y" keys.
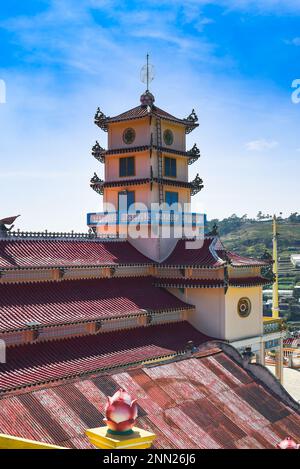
{"x": 98, "y": 185}
{"x": 192, "y": 224}
{"x": 100, "y": 153}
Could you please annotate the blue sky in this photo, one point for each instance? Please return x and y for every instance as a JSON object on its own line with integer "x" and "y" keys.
{"x": 234, "y": 61}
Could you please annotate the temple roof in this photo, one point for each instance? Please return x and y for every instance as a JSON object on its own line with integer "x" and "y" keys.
{"x": 235, "y": 259}
{"x": 205, "y": 402}
{"x": 23, "y": 253}
{"x": 142, "y": 111}
{"x": 203, "y": 256}
{"x": 76, "y": 301}
{"x": 18, "y": 253}
{"x": 40, "y": 363}
{"x": 211, "y": 283}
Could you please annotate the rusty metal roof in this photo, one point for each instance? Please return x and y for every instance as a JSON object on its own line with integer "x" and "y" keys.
{"x": 208, "y": 402}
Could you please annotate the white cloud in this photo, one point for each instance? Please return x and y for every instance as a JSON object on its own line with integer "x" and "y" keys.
{"x": 261, "y": 145}
{"x": 293, "y": 42}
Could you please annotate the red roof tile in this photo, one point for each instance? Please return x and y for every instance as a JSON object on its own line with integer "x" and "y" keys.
{"x": 235, "y": 259}
{"x": 189, "y": 283}
{"x": 139, "y": 112}
{"x": 137, "y": 181}
{"x": 188, "y": 405}
{"x": 240, "y": 261}
{"x": 249, "y": 281}
{"x": 81, "y": 300}
{"x": 15, "y": 253}
{"x": 203, "y": 256}
{"x": 42, "y": 362}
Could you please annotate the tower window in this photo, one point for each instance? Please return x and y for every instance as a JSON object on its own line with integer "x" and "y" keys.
{"x": 128, "y": 136}
{"x": 170, "y": 167}
{"x": 126, "y": 166}
{"x": 168, "y": 137}
{"x": 171, "y": 198}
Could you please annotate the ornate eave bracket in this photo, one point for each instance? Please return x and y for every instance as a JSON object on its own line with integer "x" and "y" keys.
{"x": 98, "y": 152}
{"x": 100, "y": 119}
{"x": 191, "y": 121}
{"x": 196, "y": 185}
{"x": 97, "y": 184}
{"x": 193, "y": 154}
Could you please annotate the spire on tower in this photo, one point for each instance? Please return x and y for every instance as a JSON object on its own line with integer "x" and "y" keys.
{"x": 147, "y": 75}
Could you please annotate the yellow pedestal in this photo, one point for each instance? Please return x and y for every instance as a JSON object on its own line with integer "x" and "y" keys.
{"x": 139, "y": 439}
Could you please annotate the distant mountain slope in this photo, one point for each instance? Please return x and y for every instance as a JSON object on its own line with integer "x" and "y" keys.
{"x": 252, "y": 237}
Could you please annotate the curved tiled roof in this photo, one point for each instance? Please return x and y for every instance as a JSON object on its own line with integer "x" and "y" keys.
{"x": 203, "y": 256}
{"x": 240, "y": 261}
{"x": 136, "y": 181}
{"x": 249, "y": 281}
{"x": 236, "y": 260}
{"x": 46, "y": 253}
{"x": 189, "y": 283}
{"x": 139, "y": 112}
{"x": 22, "y": 253}
{"x": 50, "y": 303}
{"x": 130, "y": 149}
{"x": 49, "y": 361}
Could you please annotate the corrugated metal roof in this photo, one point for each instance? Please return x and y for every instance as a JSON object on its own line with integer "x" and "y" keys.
{"x": 187, "y": 404}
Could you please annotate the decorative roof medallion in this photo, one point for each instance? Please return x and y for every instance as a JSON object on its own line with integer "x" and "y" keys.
{"x": 168, "y": 137}
{"x": 129, "y": 136}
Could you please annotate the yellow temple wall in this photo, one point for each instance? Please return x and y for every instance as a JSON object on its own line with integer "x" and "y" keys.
{"x": 209, "y": 314}
{"x": 142, "y": 165}
{"x": 243, "y": 272}
{"x": 144, "y": 195}
{"x": 237, "y": 327}
{"x": 178, "y": 133}
{"x": 142, "y": 133}
{"x": 216, "y": 314}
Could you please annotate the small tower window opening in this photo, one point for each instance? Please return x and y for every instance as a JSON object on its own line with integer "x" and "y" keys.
{"x": 171, "y": 198}
{"x": 170, "y": 167}
{"x": 128, "y": 136}
{"x": 168, "y": 137}
{"x": 126, "y": 166}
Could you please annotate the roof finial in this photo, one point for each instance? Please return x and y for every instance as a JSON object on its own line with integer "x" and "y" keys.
{"x": 147, "y": 73}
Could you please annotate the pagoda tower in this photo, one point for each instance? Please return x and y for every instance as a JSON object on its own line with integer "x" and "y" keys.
{"x": 146, "y": 163}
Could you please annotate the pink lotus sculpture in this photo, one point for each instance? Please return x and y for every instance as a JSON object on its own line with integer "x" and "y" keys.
{"x": 288, "y": 443}
{"x": 120, "y": 412}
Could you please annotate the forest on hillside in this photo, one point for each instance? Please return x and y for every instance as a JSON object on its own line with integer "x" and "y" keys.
{"x": 253, "y": 236}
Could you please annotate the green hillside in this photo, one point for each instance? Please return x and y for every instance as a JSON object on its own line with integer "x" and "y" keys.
{"x": 253, "y": 237}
